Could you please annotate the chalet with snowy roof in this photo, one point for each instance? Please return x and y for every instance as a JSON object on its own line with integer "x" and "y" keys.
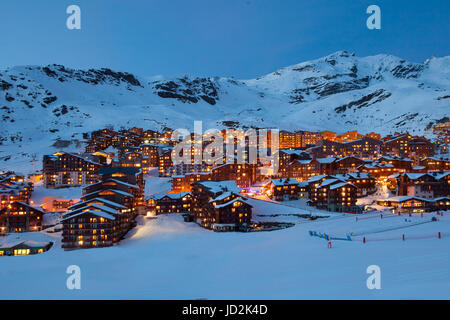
{"x": 405, "y": 145}
{"x": 442, "y": 203}
{"x": 24, "y": 248}
{"x": 425, "y": 185}
{"x": 125, "y": 139}
{"x": 301, "y": 169}
{"x": 228, "y": 211}
{"x": 122, "y": 197}
{"x": 436, "y": 163}
{"x": 106, "y": 211}
{"x": 348, "y": 164}
{"x": 334, "y": 194}
{"x": 364, "y": 147}
{"x": 94, "y": 226}
{"x": 12, "y": 191}
{"x": 100, "y": 202}
{"x": 218, "y": 205}
{"x": 283, "y": 189}
{"x": 397, "y": 145}
{"x": 364, "y": 182}
{"x": 304, "y": 169}
{"x": 116, "y": 185}
{"x": 128, "y": 176}
{"x": 171, "y": 203}
{"x": 203, "y": 191}
{"x": 397, "y": 162}
{"x": 132, "y": 176}
{"x": 100, "y": 140}
{"x": 379, "y": 170}
{"x": 20, "y": 217}
{"x": 316, "y": 180}
{"x": 419, "y": 169}
{"x": 63, "y": 169}
{"x": 407, "y": 204}
{"x": 11, "y": 177}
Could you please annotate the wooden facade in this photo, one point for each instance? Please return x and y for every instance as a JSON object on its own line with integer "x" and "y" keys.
{"x": 67, "y": 170}
{"x": 20, "y": 217}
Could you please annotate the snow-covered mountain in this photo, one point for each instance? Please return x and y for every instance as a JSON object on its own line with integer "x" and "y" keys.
{"x": 41, "y": 106}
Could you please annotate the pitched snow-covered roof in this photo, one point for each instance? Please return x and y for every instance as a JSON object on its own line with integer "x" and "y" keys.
{"x": 326, "y": 160}
{"x": 116, "y": 181}
{"x": 111, "y": 203}
{"x": 169, "y": 195}
{"x": 93, "y": 212}
{"x": 318, "y": 177}
{"x": 441, "y": 198}
{"x": 327, "y": 182}
{"x": 415, "y": 175}
{"x": 226, "y": 204}
{"x": 28, "y": 243}
{"x": 222, "y": 196}
{"x": 126, "y": 194}
{"x": 285, "y": 181}
{"x": 220, "y": 186}
{"x": 404, "y": 198}
{"x": 341, "y": 184}
{"x": 95, "y": 206}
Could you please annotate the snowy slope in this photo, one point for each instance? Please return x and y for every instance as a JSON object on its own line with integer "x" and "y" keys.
{"x": 168, "y": 259}
{"x": 383, "y": 93}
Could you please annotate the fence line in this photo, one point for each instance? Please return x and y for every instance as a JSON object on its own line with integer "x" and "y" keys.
{"x": 404, "y": 237}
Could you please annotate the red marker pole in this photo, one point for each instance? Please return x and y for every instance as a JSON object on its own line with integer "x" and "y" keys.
{"x": 364, "y": 239}
{"x": 439, "y": 235}
{"x": 403, "y": 237}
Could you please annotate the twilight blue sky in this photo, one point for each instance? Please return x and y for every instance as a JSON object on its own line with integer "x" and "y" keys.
{"x": 241, "y": 38}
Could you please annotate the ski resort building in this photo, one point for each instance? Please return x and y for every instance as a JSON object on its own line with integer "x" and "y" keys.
{"x": 106, "y": 211}
{"x": 68, "y": 169}
{"x": 24, "y": 248}
{"x": 283, "y": 189}
{"x": 20, "y": 217}
{"x": 217, "y": 205}
{"x": 334, "y": 194}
